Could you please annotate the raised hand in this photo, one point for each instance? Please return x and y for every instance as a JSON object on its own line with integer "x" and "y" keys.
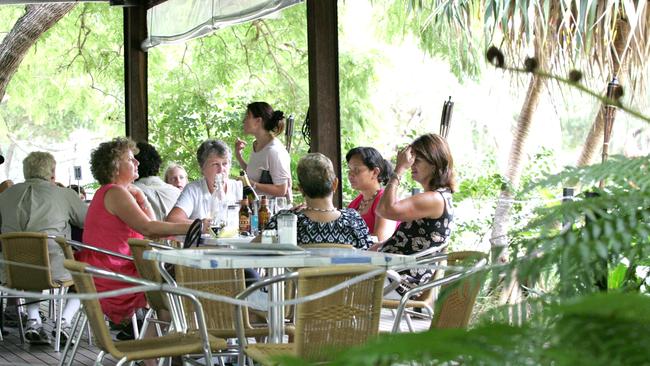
{"x": 405, "y": 159}
{"x": 239, "y": 146}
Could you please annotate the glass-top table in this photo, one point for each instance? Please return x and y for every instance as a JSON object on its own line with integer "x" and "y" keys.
{"x": 275, "y": 257}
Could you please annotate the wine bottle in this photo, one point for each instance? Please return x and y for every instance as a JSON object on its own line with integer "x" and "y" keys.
{"x": 249, "y": 192}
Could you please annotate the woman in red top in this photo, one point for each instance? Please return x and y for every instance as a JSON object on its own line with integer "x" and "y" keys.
{"x": 119, "y": 211}
{"x": 367, "y": 171}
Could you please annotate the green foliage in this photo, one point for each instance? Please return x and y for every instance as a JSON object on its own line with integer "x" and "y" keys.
{"x": 200, "y": 90}
{"x": 592, "y": 330}
{"x": 442, "y": 29}
{"x": 76, "y": 63}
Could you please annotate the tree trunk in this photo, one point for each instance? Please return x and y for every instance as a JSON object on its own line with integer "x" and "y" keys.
{"x": 499, "y": 238}
{"x": 28, "y": 28}
{"x": 595, "y": 137}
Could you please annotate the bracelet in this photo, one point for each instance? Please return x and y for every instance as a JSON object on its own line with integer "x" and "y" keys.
{"x": 254, "y": 185}
{"x": 397, "y": 178}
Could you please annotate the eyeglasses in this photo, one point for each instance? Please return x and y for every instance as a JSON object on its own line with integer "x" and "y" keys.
{"x": 356, "y": 170}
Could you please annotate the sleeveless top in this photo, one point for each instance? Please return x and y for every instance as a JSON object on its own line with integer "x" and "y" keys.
{"x": 418, "y": 235}
{"x": 107, "y": 231}
{"x": 370, "y": 215}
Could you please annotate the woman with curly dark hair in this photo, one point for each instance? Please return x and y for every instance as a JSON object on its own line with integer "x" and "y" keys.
{"x": 119, "y": 211}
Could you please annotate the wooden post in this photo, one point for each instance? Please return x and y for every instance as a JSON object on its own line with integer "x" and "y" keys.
{"x": 324, "y": 108}
{"x": 135, "y": 73}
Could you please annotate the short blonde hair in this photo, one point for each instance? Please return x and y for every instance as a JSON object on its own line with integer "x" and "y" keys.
{"x": 105, "y": 159}
{"x": 39, "y": 164}
{"x": 316, "y": 175}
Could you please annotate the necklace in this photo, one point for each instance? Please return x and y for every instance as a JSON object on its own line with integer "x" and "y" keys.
{"x": 365, "y": 201}
{"x": 321, "y": 209}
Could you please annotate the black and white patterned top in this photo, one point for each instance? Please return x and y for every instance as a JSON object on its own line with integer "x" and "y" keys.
{"x": 414, "y": 236}
{"x": 349, "y": 228}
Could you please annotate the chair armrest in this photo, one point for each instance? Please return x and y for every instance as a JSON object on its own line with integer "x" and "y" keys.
{"x": 429, "y": 285}
{"x": 178, "y": 291}
{"x": 394, "y": 281}
{"x": 77, "y": 244}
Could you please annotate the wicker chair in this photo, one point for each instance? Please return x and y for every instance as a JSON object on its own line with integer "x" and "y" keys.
{"x": 458, "y": 291}
{"x": 158, "y": 301}
{"x": 343, "y": 319}
{"x": 220, "y": 316}
{"x": 170, "y": 345}
{"x": 423, "y": 300}
{"x": 82, "y": 322}
{"x": 31, "y": 249}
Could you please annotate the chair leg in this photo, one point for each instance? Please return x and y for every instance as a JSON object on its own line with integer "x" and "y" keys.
{"x": 21, "y": 330}
{"x": 51, "y": 304}
{"x": 145, "y": 323}
{"x": 2, "y": 316}
{"x": 90, "y": 333}
{"x": 75, "y": 334}
{"x": 78, "y": 339}
{"x": 59, "y": 320}
{"x": 100, "y": 358}
{"x": 409, "y": 322}
{"x": 134, "y": 324}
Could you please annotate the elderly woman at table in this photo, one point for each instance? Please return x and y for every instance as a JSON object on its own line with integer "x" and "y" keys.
{"x": 426, "y": 218}
{"x": 119, "y": 211}
{"x": 318, "y": 220}
{"x": 195, "y": 201}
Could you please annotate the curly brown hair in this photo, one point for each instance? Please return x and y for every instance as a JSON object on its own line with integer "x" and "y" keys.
{"x": 434, "y": 150}
{"x": 104, "y": 160}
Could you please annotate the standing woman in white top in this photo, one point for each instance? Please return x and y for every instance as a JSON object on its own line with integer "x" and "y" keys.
{"x": 214, "y": 158}
{"x": 269, "y": 166}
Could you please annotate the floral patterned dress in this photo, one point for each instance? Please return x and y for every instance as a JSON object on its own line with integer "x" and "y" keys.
{"x": 418, "y": 235}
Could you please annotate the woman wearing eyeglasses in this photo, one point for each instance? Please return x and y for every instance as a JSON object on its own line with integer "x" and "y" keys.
{"x": 368, "y": 171}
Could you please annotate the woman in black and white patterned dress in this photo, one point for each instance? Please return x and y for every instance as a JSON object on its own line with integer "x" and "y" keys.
{"x": 318, "y": 220}
{"x": 426, "y": 218}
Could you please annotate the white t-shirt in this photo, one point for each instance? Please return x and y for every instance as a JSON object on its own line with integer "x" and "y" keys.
{"x": 275, "y": 158}
{"x": 196, "y": 201}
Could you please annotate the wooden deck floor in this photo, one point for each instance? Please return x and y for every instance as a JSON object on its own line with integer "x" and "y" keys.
{"x": 13, "y": 353}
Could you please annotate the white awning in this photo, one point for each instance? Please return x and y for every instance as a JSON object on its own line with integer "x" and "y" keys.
{"x": 177, "y": 21}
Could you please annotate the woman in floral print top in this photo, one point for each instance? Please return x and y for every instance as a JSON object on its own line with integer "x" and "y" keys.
{"x": 426, "y": 218}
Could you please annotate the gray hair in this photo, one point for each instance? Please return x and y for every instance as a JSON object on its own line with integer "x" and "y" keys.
{"x": 316, "y": 175}
{"x": 209, "y": 147}
{"x": 39, "y": 164}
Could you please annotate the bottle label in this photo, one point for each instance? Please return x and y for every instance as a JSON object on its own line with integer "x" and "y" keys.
{"x": 244, "y": 224}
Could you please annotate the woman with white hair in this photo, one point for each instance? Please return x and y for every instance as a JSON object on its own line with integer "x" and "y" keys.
{"x": 195, "y": 202}
{"x": 39, "y": 205}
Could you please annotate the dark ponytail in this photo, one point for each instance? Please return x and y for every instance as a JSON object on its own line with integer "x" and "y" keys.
{"x": 273, "y": 121}
{"x": 386, "y": 172}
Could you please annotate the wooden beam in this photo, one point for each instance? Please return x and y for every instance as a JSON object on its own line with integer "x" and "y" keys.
{"x": 324, "y": 108}
{"x": 135, "y": 73}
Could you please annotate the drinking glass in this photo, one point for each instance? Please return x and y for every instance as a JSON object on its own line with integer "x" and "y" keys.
{"x": 281, "y": 204}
